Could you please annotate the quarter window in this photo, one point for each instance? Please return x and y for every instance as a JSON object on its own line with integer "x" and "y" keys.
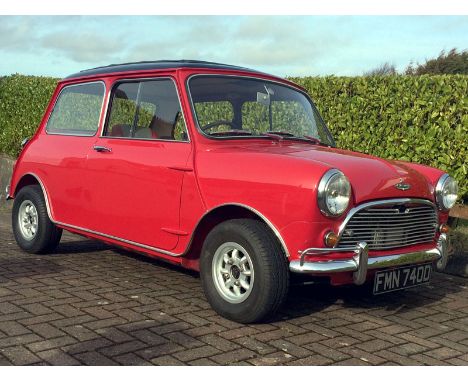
{"x": 146, "y": 110}
{"x": 77, "y": 110}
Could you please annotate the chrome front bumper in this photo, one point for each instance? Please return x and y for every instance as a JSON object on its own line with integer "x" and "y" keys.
{"x": 361, "y": 262}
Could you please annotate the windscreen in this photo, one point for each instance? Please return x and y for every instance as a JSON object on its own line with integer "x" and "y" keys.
{"x": 246, "y": 107}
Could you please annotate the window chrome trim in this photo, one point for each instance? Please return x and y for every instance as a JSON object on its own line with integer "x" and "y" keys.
{"x": 143, "y": 79}
{"x": 194, "y": 114}
{"x": 57, "y": 99}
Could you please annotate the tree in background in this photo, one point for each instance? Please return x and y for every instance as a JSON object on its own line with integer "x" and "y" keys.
{"x": 386, "y": 69}
{"x": 453, "y": 62}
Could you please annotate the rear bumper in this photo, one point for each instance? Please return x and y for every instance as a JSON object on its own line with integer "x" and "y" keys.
{"x": 7, "y": 193}
{"x": 360, "y": 263}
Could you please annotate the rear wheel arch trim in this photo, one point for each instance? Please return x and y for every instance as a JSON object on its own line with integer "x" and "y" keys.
{"x": 44, "y": 192}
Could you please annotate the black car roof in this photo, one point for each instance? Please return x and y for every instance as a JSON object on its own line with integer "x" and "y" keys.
{"x": 154, "y": 65}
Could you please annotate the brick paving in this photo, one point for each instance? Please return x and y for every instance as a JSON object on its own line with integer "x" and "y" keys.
{"x": 93, "y": 304}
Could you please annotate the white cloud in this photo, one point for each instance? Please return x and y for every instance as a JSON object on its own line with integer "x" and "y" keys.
{"x": 86, "y": 47}
{"x": 283, "y": 45}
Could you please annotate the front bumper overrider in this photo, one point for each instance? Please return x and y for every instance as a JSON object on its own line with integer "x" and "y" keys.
{"x": 360, "y": 263}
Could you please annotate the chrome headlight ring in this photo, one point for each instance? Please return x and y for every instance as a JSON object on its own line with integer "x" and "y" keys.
{"x": 446, "y": 192}
{"x": 334, "y": 193}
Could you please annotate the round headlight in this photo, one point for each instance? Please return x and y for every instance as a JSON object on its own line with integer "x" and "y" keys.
{"x": 334, "y": 193}
{"x": 446, "y": 192}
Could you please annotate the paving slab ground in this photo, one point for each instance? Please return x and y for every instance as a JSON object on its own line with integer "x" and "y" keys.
{"x": 93, "y": 304}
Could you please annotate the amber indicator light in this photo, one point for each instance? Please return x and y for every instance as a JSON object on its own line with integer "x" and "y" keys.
{"x": 444, "y": 228}
{"x": 331, "y": 239}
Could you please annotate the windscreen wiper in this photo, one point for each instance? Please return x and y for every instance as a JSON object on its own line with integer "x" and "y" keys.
{"x": 232, "y": 132}
{"x": 277, "y": 134}
{"x": 286, "y": 135}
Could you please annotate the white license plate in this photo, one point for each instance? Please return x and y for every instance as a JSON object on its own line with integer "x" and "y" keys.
{"x": 402, "y": 278}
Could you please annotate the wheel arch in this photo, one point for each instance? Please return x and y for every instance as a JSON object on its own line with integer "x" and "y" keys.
{"x": 216, "y": 216}
{"x": 30, "y": 179}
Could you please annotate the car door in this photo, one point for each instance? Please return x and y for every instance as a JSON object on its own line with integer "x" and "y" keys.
{"x": 59, "y": 156}
{"x": 137, "y": 165}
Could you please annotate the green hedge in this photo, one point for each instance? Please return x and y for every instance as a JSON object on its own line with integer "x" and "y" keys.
{"x": 23, "y": 100}
{"x": 420, "y": 119}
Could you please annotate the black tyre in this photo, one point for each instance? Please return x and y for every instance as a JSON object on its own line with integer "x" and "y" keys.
{"x": 33, "y": 230}
{"x": 243, "y": 270}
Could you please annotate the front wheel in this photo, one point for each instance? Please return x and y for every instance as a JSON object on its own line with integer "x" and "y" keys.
{"x": 243, "y": 271}
{"x": 34, "y": 231}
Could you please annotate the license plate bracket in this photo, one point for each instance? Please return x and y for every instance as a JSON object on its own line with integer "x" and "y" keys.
{"x": 400, "y": 278}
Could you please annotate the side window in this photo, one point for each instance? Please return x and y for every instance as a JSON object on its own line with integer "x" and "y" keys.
{"x": 77, "y": 110}
{"x": 123, "y": 109}
{"x": 146, "y": 110}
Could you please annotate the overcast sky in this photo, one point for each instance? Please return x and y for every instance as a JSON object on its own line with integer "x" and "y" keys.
{"x": 293, "y": 45}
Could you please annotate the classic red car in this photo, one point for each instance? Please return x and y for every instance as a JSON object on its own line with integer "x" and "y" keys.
{"x": 228, "y": 171}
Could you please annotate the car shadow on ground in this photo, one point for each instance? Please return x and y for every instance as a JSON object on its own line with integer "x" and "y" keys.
{"x": 81, "y": 246}
{"x": 306, "y": 298}
{"x": 89, "y": 245}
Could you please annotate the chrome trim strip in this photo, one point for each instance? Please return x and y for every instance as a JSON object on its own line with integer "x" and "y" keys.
{"x": 44, "y": 191}
{"x": 332, "y": 266}
{"x": 119, "y": 239}
{"x": 360, "y": 207}
{"x": 260, "y": 215}
{"x": 46, "y": 198}
{"x": 143, "y": 79}
{"x": 269, "y": 223}
{"x": 273, "y": 228}
{"x": 256, "y": 212}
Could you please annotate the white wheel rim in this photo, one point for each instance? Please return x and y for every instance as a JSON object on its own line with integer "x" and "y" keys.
{"x": 233, "y": 272}
{"x": 28, "y": 221}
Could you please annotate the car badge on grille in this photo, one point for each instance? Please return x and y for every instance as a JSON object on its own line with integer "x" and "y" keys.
{"x": 402, "y": 186}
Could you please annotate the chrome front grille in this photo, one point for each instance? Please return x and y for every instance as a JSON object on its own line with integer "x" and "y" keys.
{"x": 390, "y": 225}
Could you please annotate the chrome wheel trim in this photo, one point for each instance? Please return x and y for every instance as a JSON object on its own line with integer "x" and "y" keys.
{"x": 233, "y": 272}
{"x": 28, "y": 220}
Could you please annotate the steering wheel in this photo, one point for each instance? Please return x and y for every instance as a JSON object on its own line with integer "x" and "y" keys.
{"x": 221, "y": 122}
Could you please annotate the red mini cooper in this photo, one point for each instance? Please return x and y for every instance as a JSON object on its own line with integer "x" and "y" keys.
{"x": 230, "y": 172}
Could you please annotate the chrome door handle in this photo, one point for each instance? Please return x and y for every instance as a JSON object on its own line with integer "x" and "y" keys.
{"x": 102, "y": 149}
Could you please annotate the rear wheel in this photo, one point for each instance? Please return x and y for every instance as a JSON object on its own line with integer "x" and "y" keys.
{"x": 243, "y": 270}
{"x": 33, "y": 230}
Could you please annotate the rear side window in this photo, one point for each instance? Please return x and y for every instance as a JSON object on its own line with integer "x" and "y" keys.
{"x": 77, "y": 110}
